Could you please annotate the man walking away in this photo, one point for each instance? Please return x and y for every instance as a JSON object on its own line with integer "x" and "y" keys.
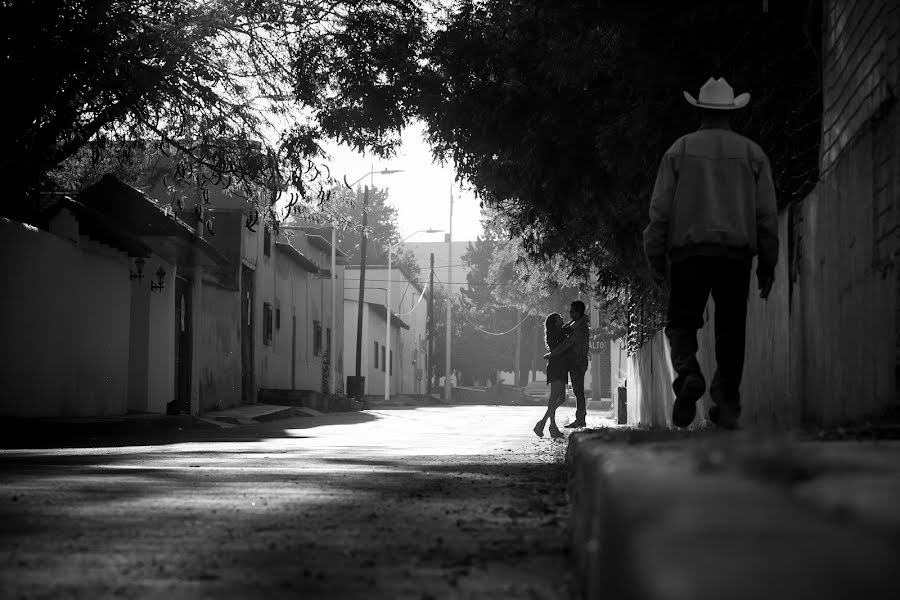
{"x": 575, "y": 348}
{"x": 713, "y": 208}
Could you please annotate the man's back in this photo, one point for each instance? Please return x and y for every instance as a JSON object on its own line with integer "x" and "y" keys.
{"x": 713, "y": 194}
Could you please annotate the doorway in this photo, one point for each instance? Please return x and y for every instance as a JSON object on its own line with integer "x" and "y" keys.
{"x": 248, "y": 394}
{"x": 294, "y": 352}
{"x": 182, "y": 403}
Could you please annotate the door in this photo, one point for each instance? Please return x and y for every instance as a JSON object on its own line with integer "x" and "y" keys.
{"x": 294, "y": 352}
{"x": 182, "y": 404}
{"x": 248, "y": 393}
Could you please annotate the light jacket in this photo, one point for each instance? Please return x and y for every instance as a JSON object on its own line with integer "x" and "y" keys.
{"x": 714, "y": 196}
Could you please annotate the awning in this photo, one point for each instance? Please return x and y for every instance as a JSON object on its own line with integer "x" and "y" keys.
{"x": 167, "y": 235}
{"x": 298, "y": 257}
{"x": 382, "y": 312}
{"x": 320, "y": 237}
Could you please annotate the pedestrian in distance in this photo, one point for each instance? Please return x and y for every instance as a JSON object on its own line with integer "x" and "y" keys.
{"x": 575, "y": 349}
{"x": 557, "y": 375}
{"x": 713, "y": 208}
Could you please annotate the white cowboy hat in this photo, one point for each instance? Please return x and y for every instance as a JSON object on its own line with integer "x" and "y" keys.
{"x": 718, "y": 95}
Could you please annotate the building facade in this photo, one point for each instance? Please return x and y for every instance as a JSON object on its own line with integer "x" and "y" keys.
{"x": 118, "y": 303}
{"x": 404, "y": 362}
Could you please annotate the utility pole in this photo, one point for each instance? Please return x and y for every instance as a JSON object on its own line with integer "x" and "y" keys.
{"x": 447, "y": 390}
{"x": 517, "y": 368}
{"x": 332, "y": 344}
{"x": 359, "y": 386}
{"x": 429, "y": 360}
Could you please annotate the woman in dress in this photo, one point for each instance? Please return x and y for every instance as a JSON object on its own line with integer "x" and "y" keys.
{"x": 557, "y": 375}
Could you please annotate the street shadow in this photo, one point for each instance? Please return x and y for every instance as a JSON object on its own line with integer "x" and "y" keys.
{"x": 453, "y": 521}
{"x": 110, "y": 433}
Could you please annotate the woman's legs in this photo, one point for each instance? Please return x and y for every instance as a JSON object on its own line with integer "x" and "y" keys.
{"x": 557, "y": 395}
{"x": 550, "y": 413}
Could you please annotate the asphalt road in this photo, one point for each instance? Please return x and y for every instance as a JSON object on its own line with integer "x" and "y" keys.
{"x": 442, "y": 502}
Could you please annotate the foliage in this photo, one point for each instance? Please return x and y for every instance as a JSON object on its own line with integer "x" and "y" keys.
{"x": 558, "y": 113}
{"x": 501, "y": 281}
{"x": 201, "y": 79}
{"x": 345, "y": 209}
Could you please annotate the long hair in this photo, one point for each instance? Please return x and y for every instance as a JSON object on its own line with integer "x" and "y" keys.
{"x": 552, "y": 329}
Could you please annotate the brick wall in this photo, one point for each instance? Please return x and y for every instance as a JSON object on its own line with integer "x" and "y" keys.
{"x": 860, "y": 69}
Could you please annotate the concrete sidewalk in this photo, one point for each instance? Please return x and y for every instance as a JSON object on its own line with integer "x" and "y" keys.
{"x": 249, "y": 414}
{"x": 702, "y": 515}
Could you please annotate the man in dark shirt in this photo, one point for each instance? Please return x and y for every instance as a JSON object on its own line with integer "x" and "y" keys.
{"x": 576, "y": 349}
{"x": 713, "y": 209}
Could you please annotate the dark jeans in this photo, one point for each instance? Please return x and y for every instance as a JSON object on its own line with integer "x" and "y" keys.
{"x": 576, "y": 376}
{"x": 692, "y": 280}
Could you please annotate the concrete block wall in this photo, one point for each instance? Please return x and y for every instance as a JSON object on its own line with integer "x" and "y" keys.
{"x": 825, "y": 347}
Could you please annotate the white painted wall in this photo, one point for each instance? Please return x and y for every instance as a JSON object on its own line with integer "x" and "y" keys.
{"x": 65, "y": 319}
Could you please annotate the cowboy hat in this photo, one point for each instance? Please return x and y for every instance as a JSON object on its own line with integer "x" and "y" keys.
{"x": 716, "y": 94}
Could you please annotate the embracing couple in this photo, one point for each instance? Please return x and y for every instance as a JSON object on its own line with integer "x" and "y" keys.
{"x": 567, "y": 360}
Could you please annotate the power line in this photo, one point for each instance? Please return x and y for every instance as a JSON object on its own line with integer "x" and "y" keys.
{"x": 452, "y": 283}
{"x": 524, "y": 318}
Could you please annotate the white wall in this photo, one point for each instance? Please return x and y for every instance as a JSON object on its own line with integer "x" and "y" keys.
{"x": 305, "y": 296}
{"x": 406, "y": 304}
{"x": 151, "y": 372}
{"x": 65, "y": 319}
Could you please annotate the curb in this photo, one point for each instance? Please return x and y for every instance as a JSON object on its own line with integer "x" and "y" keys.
{"x": 599, "y": 543}
{"x": 661, "y": 516}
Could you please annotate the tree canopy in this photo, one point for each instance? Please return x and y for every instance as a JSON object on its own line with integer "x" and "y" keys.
{"x": 204, "y": 80}
{"x": 558, "y": 112}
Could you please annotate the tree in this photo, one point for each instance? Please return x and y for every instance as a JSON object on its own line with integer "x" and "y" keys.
{"x": 507, "y": 299}
{"x": 345, "y": 208}
{"x": 201, "y": 79}
{"x": 558, "y": 113}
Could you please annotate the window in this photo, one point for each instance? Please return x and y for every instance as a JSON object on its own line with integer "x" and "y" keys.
{"x": 267, "y": 323}
{"x": 391, "y": 367}
{"x": 317, "y": 338}
{"x": 376, "y": 355}
{"x": 328, "y": 341}
{"x": 267, "y": 241}
{"x": 277, "y": 318}
{"x": 382, "y": 359}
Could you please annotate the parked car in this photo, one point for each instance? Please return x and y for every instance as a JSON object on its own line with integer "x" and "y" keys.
{"x": 538, "y": 390}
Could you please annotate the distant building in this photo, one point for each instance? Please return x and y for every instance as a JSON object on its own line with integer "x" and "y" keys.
{"x": 458, "y": 271}
{"x": 405, "y": 361}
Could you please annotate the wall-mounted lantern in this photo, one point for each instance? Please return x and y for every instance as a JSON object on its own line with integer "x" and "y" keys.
{"x": 160, "y": 280}
{"x": 138, "y": 271}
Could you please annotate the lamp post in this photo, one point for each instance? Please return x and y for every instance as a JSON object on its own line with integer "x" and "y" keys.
{"x": 387, "y": 380}
{"x": 358, "y": 387}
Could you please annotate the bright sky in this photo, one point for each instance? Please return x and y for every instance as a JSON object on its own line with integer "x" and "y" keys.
{"x": 421, "y": 193}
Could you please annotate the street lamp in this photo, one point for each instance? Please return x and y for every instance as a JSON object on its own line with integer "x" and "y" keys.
{"x": 358, "y": 387}
{"x": 387, "y": 381}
